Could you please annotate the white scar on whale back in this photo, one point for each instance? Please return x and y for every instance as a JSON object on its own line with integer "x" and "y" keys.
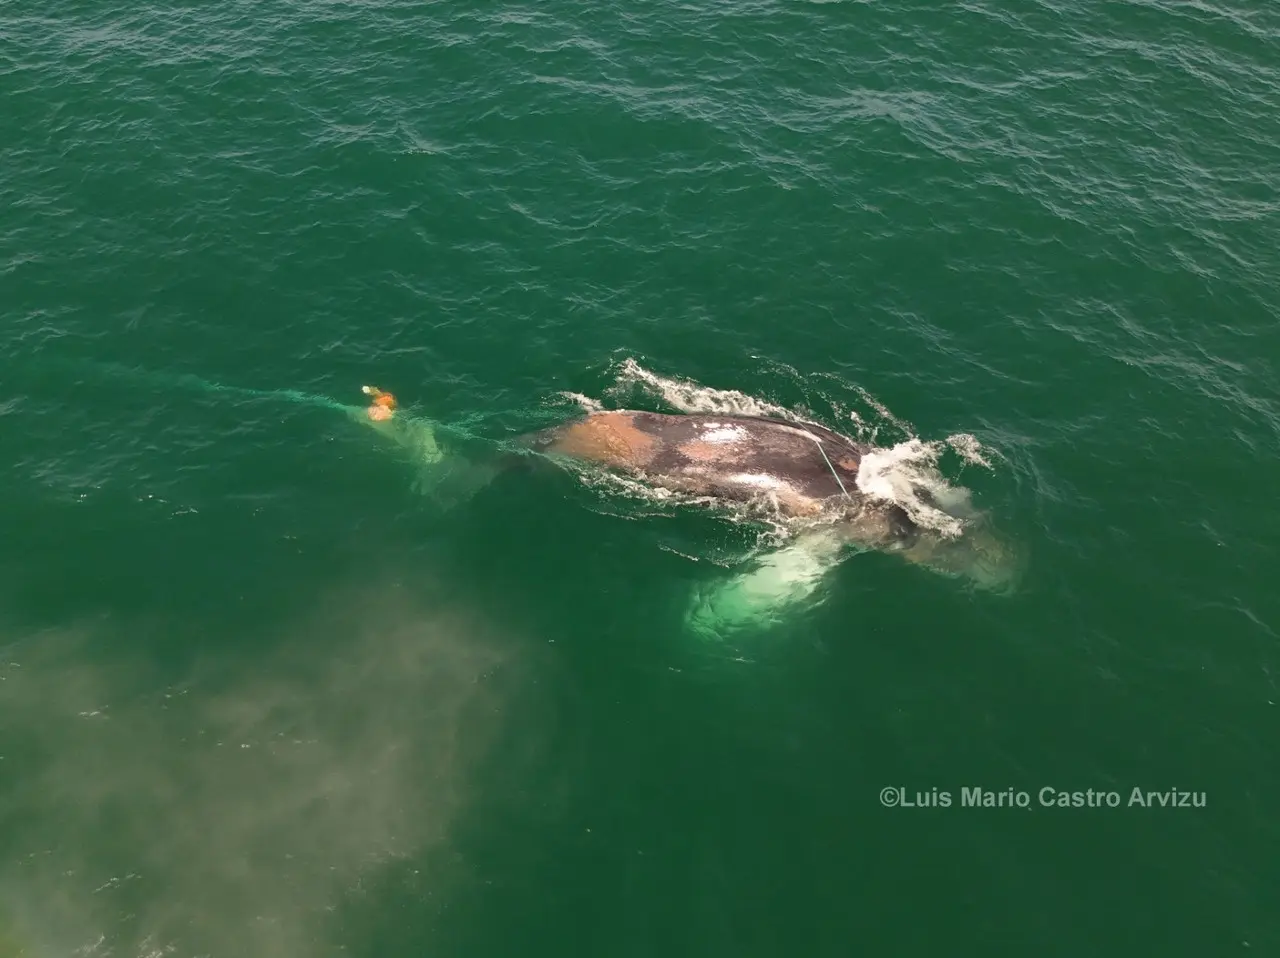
{"x": 723, "y": 434}
{"x": 760, "y": 480}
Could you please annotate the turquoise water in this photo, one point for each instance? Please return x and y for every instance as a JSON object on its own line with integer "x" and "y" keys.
{"x": 273, "y": 688}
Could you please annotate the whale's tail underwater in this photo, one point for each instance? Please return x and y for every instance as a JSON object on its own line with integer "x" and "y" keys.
{"x": 800, "y": 478}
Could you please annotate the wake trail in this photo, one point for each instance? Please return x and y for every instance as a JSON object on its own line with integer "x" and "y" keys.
{"x": 188, "y": 381}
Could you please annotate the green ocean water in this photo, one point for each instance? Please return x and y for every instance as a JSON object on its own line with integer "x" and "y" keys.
{"x": 269, "y": 690}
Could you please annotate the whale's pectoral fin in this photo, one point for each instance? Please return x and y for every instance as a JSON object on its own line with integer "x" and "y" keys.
{"x": 776, "y": 582}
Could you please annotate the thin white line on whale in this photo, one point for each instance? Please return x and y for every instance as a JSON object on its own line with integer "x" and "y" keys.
{"x": 723, "y": 433}
{"x": 839, "y": 482}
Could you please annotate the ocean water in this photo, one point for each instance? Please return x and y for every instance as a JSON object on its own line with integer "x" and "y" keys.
{"x": 272, "y": 684}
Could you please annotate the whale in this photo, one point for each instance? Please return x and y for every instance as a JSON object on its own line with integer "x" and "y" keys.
{"x": 799, "y": 477}
{"x": 734, "y": 458}
{"x": 798, "y": 471}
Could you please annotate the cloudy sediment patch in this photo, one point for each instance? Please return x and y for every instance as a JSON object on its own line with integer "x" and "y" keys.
{"x": 230, "y": 814}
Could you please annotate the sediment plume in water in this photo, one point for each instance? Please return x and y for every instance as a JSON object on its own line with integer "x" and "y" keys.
{"x": 230, "y": 813}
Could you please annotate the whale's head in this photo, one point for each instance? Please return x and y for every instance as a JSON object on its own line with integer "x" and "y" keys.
{"x": 973, "y": 552}
{"x": 979, "y": 556}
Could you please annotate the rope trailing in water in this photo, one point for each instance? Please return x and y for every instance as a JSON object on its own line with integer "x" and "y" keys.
{"x": 139, "y": 376}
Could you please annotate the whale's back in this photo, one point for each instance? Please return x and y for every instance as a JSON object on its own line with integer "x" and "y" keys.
{"x": 734, "y": 457}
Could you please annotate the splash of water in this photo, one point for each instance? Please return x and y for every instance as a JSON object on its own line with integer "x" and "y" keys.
{"x": 970, "y": 450}
{"x": 586, "y": 402}
{"x": 691, "y": 397}
{"x": 907, "y": 475}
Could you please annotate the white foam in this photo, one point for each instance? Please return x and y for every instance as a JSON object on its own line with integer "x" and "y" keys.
{"x": 586, "y": 402}
{"x": 907, "y": 475}
{"x": 690, "y": 397}
{"x": 883, "y": 411}
{"x": 969, "y": 449}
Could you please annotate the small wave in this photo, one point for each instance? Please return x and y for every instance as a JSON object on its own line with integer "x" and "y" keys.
{"x": 688, "y": 396}
{"x": 882, "y": 411}
{"x": 586, "y": 402}
{"x": 969, "y": 449}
